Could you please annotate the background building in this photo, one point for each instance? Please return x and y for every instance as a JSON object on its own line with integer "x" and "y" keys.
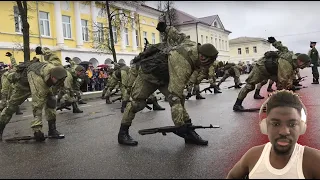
{"x": 248, "y": 49}
{"x": 66, "y": 27}
{"x": 205, "y": 30}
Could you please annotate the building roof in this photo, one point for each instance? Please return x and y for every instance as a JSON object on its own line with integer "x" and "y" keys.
{"x": 246, "y": 39}
{"x": 185, "y": 18}
{"x": 150, "y": 7}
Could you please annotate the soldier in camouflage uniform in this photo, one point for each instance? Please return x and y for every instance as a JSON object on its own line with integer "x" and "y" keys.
{"x": 278, "y": 67}
{"x": 79, "y": 82}
{"x": 67, "y": 93}
{"x": 36, "y": 79}
{"x": 182, "y": 61}
{"x": 232, "y": 70}
{"x": 314, "y": 55}
{"x": 7, "y": 84}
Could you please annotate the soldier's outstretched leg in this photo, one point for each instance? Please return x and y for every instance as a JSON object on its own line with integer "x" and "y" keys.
{"x": 257, "y": 92}
{"x": 75, "y": 108}
{"x": 140, "y": 91}
{"x": 196, "y": 90}
{"x": 315, "y": 74}
{"x": 50, "y": 113}
{"x": 19, "y": 95}
{"x": 18, "y": 112}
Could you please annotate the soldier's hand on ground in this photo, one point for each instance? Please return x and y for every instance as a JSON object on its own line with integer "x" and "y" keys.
{"x": 67, "y": 59}
{"x": 38, "y": 50}
{"x": 271, "y": 39}
{"x": 8, "y": 54}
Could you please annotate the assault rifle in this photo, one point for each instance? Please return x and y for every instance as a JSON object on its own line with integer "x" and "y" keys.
{"x": 235, "y": 85}
{"x": 172, "y": 129}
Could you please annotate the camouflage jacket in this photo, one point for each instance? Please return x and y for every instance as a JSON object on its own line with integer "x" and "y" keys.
{"x": 314, "y": 56}
{"x": 50, "y": 57}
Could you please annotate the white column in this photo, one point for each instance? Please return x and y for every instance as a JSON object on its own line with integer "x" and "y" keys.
{"x": 134, "y": 41}
{"x": 58, "y": 19}
{"x": 79, "y": 39}
{"x": 123, "y": 35}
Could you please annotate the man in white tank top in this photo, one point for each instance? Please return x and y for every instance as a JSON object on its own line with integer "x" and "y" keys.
{"x": 282, "y": 157}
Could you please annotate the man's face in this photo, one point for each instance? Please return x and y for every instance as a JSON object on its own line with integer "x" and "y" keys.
{"x": 205, "y": 61}
{"x": 302, "y": 64}
{"x": 283, "y": 124}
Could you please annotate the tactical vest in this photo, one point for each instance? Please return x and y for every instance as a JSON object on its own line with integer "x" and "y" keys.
{"x": 118, "y": 71}
{"x": 271, "y": 62}
{"x": 156, "y": 65}
{"x": 22, "y": 72}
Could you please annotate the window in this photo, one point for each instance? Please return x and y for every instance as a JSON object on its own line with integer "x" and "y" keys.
{"x": 115, "y": 36}
{"x": 127, "y": 36}
{"x": 215, "y": 24}
{"x": 137, "y": 37}
{"x": 17, "y": 20}
{"x": 44, "y": 23}
{"x": 206, "y": 39}
{"x": 85, "y": 30}
{"x": 66, "y": 25}
{"x": 216, "y": 42}
{"x": 153, "y": 38}
{"x": 100, "y": 34}
{"x": 211, "y": 40}
{"x": 247, "y": 50}
{"x": 201, "y": 39}
{"x": 220, "y": 44}
{"x": 254, "y": 49}
{"x": 239, "y": 50}
{"x": 145, "y": 35}
{"x": 226, "y": 45}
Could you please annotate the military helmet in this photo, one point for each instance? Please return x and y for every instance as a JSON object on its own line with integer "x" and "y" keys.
{"x": 58, "y": 72}
{"x": 304, "y": 58}
{"x": 79, "y": 68}
{"x": 208, "y": 50}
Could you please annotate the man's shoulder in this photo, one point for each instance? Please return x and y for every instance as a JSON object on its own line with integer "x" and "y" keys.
{"x": 311, "y": 162}
{"x": 311, "y": 153}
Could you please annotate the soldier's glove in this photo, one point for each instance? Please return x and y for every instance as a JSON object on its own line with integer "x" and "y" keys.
{"x": 39, "y": 50}
{"x": 271, "y": 39}
{"x": 8, "y": 54}
{"x": 67, "y": 59}
{"x": 161, "y": 27}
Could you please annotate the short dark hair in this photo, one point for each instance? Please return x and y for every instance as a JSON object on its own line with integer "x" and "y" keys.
{"x": 284, "y": 98}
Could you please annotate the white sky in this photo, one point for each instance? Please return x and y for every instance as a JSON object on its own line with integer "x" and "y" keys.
{"x": 295, "y": 23}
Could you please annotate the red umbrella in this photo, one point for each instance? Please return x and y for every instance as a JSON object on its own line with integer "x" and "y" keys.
{"x": 103, "y": 65}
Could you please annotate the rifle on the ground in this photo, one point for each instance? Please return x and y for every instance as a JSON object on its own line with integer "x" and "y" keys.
{"x": 172, "y": 129}
{"x": 115, "y": 92}
{"x": 117, "y": 99}
{"x": 235, "y": 85}
{"x": 207, "y": 89}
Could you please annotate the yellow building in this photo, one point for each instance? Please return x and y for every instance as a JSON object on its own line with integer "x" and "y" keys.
{"x": 69, "y": 27}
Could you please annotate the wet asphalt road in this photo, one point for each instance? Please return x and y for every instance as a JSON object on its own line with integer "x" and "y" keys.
{"x": 91, "y": 150}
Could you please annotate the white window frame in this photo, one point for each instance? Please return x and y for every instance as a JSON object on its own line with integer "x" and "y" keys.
{"x": 211, "y": 40}
{"x": 247, "y": 50}
{"x": 255, "y": 50}
{"x": 46, "y": 33}
{"x": 137, "y": 38}
{"x": 85, "y": 30}
{"x": 126, "y": 36}
{"x": 222, "y": 44}
{"x": 239, "y": 51}
{"x": 216, "y": 42}
{"x": 201, "y": 39}
{"x": 226, "y": 45}
{"x": 65, "y": 27}
{"x": 115, "y": 35}
{"x": 18, "y": 19}
{"x": 145, "y": 35}
{"x": 100, "y": 32}
{"x": 153, "y": 38}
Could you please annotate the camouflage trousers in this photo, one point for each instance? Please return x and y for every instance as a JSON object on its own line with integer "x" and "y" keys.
{"x": 112, "y": 83}
{"x": 6, "y": 91}
{"x": 39, "y": 93}
{"x": 67, "y": 95}
{"x": 145, "y": 84}
{"x": 227, "y": 74}
{"x": 257, "y": 75}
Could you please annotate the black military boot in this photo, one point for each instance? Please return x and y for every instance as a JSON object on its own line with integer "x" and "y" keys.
{"x": 198, "y": 96}
{"x": 257, "y": 95}
{"x": 156, "y": 106}
{"x": 108, "y": 100}
{"x": 315, "y": 81}
{"x": 53, "y": 133}
{"x": 18, "y": 112}
{"x": 123, "y": 106}
{"x": 80, "y": 101}
{"x": 188, "y": 96}
{"x": 237, "y": 86}
{"x": 124, "y": 137}
{"x": 75, "y": 108}
{"x": 191, "y": 137}
{"x": 270, "y": 88}
{"x": 2, "y": 126}
{"x": 216, "y": 90}
{"x": 238, "y": 105}
{"x": 39, "y": 136}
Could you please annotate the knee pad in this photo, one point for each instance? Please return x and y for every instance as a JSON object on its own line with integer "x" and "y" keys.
{"x": 138, "y": 105}
{"x": 172, "y": 99}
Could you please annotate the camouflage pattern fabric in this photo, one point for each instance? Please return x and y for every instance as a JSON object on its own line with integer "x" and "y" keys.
{"x": 50, "y": 57}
